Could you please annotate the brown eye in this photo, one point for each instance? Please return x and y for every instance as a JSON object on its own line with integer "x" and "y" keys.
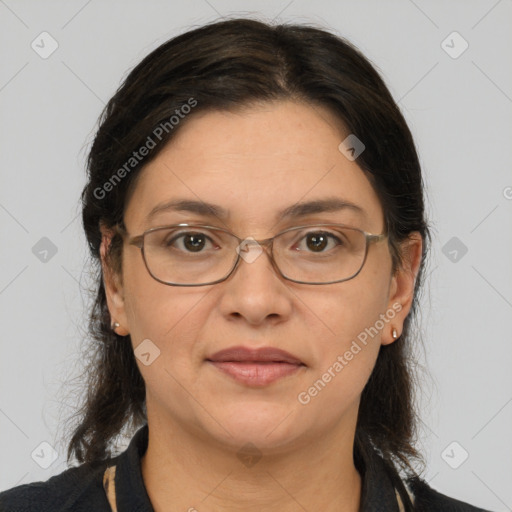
{"x": 319, "y": 241}
{"x": 188, "y": 242}
{"x": 194, "y": 242}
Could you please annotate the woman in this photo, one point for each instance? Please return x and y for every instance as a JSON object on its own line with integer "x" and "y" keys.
{"x": 255, "y": 206}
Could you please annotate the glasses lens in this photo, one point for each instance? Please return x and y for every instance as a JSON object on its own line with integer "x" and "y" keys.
{"x": 320, "y": 254}
{"x": 195, "y": 255}
{"x": 189, "y": 255}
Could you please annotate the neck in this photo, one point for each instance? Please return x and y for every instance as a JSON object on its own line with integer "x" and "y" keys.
{"x": 184, "y": 470}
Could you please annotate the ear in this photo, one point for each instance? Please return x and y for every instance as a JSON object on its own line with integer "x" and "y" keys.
{"x": 113, "y": 285}
{"x": 401, "y": 289}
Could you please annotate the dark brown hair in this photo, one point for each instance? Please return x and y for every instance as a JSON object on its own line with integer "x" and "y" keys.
{"x": 228, "y": 65}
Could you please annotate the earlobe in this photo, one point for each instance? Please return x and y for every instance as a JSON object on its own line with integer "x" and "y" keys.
{"x": 113, "y": 288}
{"x": 403, "y": 284}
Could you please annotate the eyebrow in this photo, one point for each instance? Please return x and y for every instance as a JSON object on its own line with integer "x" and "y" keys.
{"x": 297, "y": 210}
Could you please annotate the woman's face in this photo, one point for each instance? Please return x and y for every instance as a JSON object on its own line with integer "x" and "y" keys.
{"x": 254, "y": 164}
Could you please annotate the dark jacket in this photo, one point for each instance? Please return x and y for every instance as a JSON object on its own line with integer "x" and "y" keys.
{"x": 86, "y": 488}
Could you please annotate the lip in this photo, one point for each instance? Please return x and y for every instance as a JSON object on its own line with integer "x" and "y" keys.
{"x": 254, "y": 355}
{"x": 255, "y": 367}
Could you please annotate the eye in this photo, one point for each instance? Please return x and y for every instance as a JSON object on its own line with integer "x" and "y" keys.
{"x": 190, "y": 242}
{"x": 318, "y": 241}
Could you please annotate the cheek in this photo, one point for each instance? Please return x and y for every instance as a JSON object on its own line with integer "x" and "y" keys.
{"x": 344, "y": 364}
{"x": 166, "y": 325}
{"x": 159, "y": 312}
{"x": 353, "y": 317}
{"x": 347, "y": 310}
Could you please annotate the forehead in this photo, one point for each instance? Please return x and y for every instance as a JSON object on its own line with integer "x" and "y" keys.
{"x": 255, "y": 163}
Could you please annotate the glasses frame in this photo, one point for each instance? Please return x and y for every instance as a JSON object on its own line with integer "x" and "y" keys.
{"x": 138, "y": 241}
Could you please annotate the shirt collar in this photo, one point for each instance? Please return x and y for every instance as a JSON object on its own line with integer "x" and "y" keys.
{"x": 378, "y": 492}
{"x": 131, "y": 494}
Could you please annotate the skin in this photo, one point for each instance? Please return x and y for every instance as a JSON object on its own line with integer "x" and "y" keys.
{"x": 254, "y": 163}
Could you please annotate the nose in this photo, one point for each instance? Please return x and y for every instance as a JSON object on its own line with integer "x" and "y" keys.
{"x": 255, "y": 291}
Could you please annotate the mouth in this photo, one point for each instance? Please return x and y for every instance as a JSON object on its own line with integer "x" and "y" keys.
{"x": 256, "y": 367}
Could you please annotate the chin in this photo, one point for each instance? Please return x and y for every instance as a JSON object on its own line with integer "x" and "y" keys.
{"x": 267, "y": 425}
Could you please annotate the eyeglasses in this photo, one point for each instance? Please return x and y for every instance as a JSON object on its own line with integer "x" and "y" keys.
{"x": 199, "y": 255}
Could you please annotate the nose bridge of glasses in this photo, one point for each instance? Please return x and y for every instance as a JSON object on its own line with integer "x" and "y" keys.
{"x": 254, "y": 243}
{"x": 249, "y": 249}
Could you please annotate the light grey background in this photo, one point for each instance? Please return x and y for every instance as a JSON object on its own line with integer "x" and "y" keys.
{"x": 459, "y": 110}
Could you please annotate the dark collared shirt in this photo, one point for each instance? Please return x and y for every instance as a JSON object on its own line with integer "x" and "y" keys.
{"x": 116, "y": 485}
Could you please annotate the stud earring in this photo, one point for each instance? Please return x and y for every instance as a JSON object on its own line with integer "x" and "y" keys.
{"x": 114, "y": 326}
{"x": 395, "y": 334}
